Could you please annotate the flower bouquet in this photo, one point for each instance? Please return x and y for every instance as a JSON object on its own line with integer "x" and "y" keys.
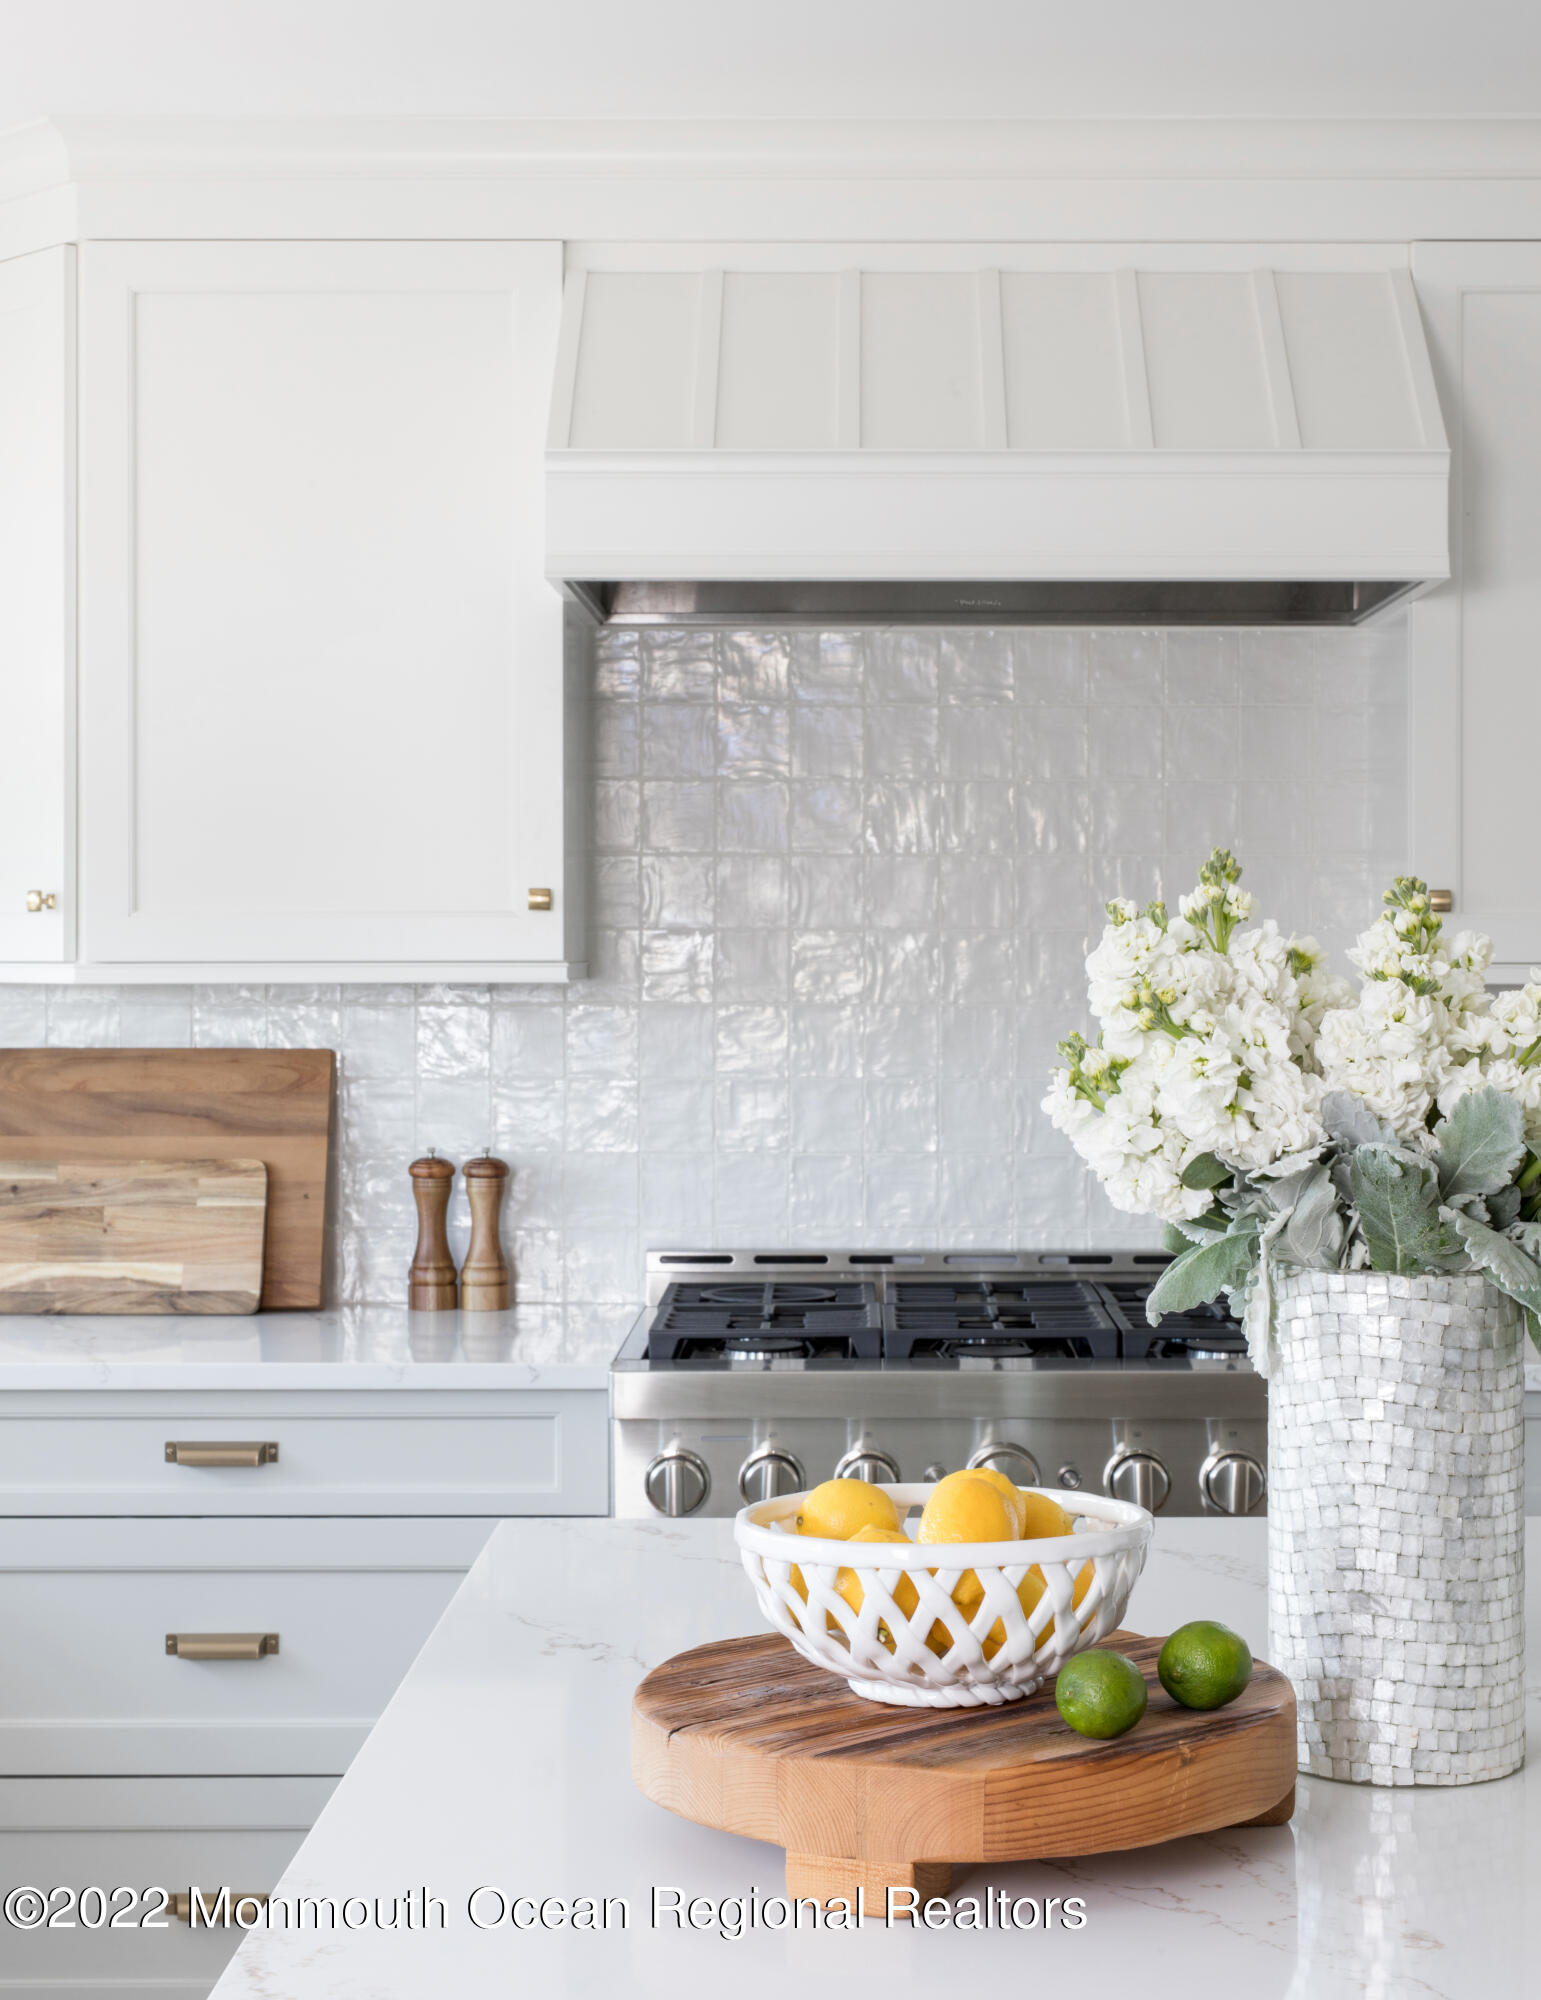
{"x": 1359, "y": 1171}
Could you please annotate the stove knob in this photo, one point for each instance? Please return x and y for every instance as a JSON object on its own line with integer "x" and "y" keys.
{"x": 1233, "y": 1482}
{"x": 1068, "y": 1477}
{"x": 767, "y": 1474}
{"x": 1018, "y": 1464}
{"x": 876, "y": 1467}
{"x": 1138, "y": 1476}
{"x": 677, "y": 1482}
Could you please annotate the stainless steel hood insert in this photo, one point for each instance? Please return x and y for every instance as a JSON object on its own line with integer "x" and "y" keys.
{"x": 994, "y": 446}
{"x": 823, "y": 605}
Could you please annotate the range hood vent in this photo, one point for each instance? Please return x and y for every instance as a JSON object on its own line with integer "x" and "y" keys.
{"x": 994, "y": 447}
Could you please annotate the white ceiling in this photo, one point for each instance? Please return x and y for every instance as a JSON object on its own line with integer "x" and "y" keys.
{"x": 827, "y": 59}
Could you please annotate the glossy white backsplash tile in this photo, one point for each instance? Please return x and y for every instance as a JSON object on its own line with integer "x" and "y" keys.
{"x": 843, "y": 888}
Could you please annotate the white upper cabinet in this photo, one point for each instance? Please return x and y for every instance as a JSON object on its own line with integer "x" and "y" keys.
{"x": 37, "y": 596}
{"x": 1476, "y": 686}
{"x": 321, "y": 672}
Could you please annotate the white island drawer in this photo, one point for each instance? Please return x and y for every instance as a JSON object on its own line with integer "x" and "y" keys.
{"x": 87, "y": 1958}
{"x": 88, "y": 1686}
{"x": 484, "y": 1453}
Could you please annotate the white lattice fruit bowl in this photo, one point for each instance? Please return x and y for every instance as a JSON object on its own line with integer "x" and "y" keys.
{"x": 896, "y": 1663}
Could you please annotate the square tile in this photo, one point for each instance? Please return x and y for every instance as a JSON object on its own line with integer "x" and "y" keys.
{"x": 679, "y": 740}
{"x": 754, "y": 666}
{"x": 676, "y": 1042}
{"x": 679, "y": 816}
{"x": 827, "y": 667}
{"x": 976, "y": 666}
{"x": 679, "y": 666}
{"x": 1050, "y": 667}
{"x": 979, "y": 741}
{"x": 901, "y": 666}
{"x": 752, "y": 891}
{"x": 752, "y": 1115}
{"x": 678, "y": 891}
{"x": 754, "y": 739}
{"x": 826, "y": 891}
{"x": 752, "y": 965}
{"x": 827, "y": 966}
{"x": 901, "y": 816}
{"x": 753, "y": 815}
{"x": 826, "y": 1114}
{"x": 827, "y": 742}
{"x": 677, "y": 965}
{"x": 826, "y": 816}
{"x": 901, "y": 740}
{"x": 752, "y": 1041}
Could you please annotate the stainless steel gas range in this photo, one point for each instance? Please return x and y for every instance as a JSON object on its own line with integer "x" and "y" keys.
{"x": 752, "y": 1373}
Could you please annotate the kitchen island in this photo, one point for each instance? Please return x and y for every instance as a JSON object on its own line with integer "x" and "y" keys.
{"x": 502, "y": 1766}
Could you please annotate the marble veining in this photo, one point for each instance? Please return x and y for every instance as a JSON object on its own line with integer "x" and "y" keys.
{"x": 503, "y": 1759}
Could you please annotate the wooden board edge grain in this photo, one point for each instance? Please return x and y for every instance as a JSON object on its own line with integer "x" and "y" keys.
{"x": 691, "y": 1777}
{"x": 1198, "y": 1786}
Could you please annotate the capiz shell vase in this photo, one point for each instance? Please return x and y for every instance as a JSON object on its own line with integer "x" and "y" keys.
{"x": 1396, "y": 1524}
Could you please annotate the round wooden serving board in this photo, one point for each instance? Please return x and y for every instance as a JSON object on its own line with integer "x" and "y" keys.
{"x": 748, "y": 1736}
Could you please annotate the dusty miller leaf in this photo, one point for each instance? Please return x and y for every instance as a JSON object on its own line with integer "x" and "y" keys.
{"x": 1351, "y": 1122}
{"x": 1204, "y": 1272}
{"x": 1507, "y": 1263}
{"x": 1313, "y": 1235}
{"x": 1481, "y": 1144}
{"x": 1504, "y": 1207}
{"x": 1398, "y": 1204}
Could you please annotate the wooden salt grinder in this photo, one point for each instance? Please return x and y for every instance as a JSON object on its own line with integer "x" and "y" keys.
{"x": 484, "y": 1275}
{"x": 431, "y": 1280}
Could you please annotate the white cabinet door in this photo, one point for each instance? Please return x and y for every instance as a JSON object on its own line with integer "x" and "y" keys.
{"x": 1476, "y": 644}
{"x": 321, "y": 668}
{"x": 37, "y": 598}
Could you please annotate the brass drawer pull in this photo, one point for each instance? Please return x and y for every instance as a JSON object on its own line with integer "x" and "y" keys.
{"x": 221, "y": 1645}
{"x": 220, "y": 1452}
{"x": 213, "y": 1903}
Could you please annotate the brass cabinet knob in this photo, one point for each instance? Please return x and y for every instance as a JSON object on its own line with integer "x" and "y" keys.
{"x": 41, "y": 899}
{"x": 1442, "y": 901}
{"x": 221, "y": 1645}
{"x": 540, "y": 899}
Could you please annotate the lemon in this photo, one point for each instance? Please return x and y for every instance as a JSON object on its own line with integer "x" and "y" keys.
{"x": 1014, "y": 1497}
{"x": 1042, "y": 1517}
{"x": 967, "y": 1507}
{"x": 848, "y": 1583}
{"x": 1100, "y": 1693}
{"x": 1204, "y": 1665}
{"x": 839, "y": 1507}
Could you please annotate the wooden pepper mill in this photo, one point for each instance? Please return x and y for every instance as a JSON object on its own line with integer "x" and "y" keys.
{"x": 431, "y": 1280}
{"x": 484, "y": 1275}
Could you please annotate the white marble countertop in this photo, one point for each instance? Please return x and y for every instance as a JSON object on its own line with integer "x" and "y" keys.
{"x": 365, "y": 1347}
{"x": 503, "y": 1761}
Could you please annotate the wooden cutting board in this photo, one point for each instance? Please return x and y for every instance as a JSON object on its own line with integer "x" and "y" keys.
{"x": 136, "y": 1236}
{"x": 746, "y": 1735}
{"x": 272, "y": 1105}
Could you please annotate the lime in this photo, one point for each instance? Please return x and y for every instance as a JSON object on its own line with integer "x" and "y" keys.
{"x": 1100, "y": 1693}
{"x": 1204, "y": 1665}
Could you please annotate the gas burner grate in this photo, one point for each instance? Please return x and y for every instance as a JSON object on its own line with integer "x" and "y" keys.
{"x": 766, "y": 1322}
{"x": 1203, "y": 1333}
{"x": 985, "y": 1319}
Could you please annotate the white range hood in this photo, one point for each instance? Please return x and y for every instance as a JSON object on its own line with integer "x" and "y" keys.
{"x": 994, "y": 446}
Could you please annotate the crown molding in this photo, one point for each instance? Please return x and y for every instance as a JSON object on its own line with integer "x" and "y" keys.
{"x": 71, "y": 179}
{"x": 52, "y": 152}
